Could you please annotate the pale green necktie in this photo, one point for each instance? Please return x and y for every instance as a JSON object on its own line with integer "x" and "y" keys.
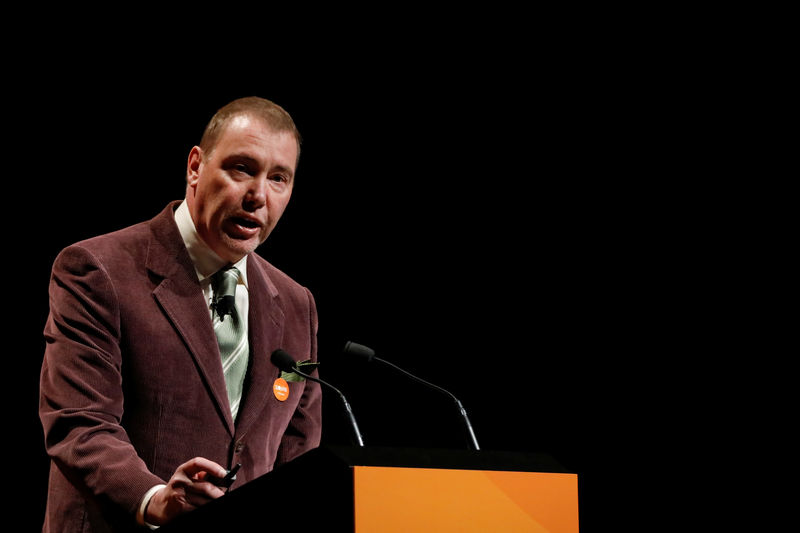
{"x": 231, "y": 331}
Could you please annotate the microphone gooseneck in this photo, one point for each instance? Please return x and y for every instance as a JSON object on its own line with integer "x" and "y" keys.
{"x": 368, "y": 354}
{"x": 286, "y": 363}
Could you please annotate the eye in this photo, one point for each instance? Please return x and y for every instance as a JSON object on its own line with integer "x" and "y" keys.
{"x": 280, "y": 182}
{"x": 241, "y": 167}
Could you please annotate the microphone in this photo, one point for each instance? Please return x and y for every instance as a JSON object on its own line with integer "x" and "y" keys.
{"x": 286, "y": 363}
{"x": 368, "y": 354}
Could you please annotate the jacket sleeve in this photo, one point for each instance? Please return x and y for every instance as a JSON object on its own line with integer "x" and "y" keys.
{"x": 81, "y": 394}
{"x": 305, "y": 427}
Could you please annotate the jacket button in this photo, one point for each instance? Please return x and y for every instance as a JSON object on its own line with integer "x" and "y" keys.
{"x": 239, "y": 447}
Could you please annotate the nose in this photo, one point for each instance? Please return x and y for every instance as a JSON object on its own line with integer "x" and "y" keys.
{"x": 256, "y": 194}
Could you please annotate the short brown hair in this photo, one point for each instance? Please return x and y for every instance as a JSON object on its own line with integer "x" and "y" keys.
{"x": 271, "y": 113}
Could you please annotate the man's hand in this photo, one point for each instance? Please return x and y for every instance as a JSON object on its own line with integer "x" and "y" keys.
{"x": 186, "y": 490}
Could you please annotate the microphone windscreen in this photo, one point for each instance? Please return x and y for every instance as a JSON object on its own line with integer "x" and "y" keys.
{"x": 282, "y": 360}
{"x": 359, "y": 350}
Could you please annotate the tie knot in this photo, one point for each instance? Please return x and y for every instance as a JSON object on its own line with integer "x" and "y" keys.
{"x": 224, "y": 285}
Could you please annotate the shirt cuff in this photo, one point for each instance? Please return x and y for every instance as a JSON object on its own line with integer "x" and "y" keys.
{"x": 143, "y": 506}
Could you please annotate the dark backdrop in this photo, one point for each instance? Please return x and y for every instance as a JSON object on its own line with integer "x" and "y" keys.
{"x": 487, "y": 226}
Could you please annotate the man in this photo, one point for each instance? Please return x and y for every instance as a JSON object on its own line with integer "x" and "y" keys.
{"x": 156, "y": 377}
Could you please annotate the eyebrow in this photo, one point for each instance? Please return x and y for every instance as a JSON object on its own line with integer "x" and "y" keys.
{"x": 253, "y": 161}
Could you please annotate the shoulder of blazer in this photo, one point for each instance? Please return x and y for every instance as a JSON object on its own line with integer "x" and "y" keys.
{"x": 154, "y": 244}
{"x": 278, "y": 281}
{"x": 137, "y": 237}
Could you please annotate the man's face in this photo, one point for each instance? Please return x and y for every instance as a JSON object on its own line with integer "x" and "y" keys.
{"x": 238, "y": 192}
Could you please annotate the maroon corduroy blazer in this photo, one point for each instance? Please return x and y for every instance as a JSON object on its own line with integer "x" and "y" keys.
{"x": 132, "y": 385}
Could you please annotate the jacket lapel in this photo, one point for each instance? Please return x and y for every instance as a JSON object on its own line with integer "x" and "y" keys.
{"x": 265, "y": 326}
{"x": 181, "y": 298}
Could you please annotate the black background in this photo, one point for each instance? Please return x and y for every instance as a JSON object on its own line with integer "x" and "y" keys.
{"x": 487, "y": 217}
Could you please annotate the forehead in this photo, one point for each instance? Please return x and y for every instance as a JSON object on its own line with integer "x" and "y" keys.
{"x": 257, "y": 139}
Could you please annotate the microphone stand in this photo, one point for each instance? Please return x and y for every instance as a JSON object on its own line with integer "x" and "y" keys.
{"x": 347, "y": 407}
{"x": 473, "y": 441}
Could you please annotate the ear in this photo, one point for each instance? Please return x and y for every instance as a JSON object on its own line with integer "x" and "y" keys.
{"x": 193, "y": 164}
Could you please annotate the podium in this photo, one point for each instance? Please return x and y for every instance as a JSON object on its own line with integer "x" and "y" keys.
{"x": 385, "y": 490}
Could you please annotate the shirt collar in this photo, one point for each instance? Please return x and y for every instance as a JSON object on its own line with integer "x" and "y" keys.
{"x": 206, "y": 261}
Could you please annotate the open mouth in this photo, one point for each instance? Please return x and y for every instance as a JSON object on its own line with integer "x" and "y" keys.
{"x": 242, "y": 227}
{"x": 245, "y": 222}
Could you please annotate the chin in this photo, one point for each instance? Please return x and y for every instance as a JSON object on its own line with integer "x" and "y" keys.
{"x": 235, "y": 249}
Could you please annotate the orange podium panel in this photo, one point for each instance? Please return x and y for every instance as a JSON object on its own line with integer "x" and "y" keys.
{"x": 389, "y": 499}
{"x": 383, "y": 490}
